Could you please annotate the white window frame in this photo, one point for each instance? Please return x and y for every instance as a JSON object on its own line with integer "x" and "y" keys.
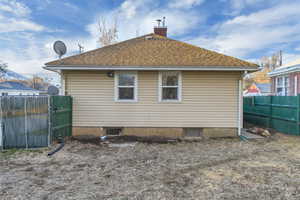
{"x": 284, "y": 86}
{"x": 179, "y": 86}
{"x": 135, "y": 90}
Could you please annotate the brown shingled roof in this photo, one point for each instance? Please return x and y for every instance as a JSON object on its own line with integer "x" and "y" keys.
{"x": 151, "y": 50}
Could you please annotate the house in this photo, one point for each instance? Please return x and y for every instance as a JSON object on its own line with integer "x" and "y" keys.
{"x": 154, "y": 85}
{"x": 16, "y": 88}
{"x": 258, "y": 89}
{"x": 285, "y": 79}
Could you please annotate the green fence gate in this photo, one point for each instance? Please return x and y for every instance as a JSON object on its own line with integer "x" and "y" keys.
{"x": 278, "y": 112}
{"x": 60, "y": 116}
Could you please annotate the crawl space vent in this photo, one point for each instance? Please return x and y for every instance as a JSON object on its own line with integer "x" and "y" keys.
{"x": 113, "y": 131}
{"x": 192, "y": 132}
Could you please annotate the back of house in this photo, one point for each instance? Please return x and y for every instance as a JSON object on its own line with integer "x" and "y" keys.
{"x": 154, "y": 85}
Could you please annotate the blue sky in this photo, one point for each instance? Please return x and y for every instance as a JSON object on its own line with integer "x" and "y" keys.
{"x": 247, "y": 29}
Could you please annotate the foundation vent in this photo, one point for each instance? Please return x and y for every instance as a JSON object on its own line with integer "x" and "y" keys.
{"x": 113, "y": 131}
{"x": 192, "y": 132}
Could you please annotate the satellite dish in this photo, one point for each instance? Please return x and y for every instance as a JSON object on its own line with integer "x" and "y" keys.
{"x": 60, "y": 48}
{"x": 52, "y": 90}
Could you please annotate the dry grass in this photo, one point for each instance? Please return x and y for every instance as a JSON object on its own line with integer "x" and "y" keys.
{"x": 210, "y": 169}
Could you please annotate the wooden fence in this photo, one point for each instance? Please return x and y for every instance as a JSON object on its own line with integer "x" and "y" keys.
{"x": 278, "y": 112}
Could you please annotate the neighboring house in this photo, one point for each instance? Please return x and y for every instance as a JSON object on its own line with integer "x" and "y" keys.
{"x": 16, "y": 88}
{"x": 261, "y": 76}
{"x": 258, "y": 89}
{"x": 154, "y": 85}
{"x": 286, "y": 79}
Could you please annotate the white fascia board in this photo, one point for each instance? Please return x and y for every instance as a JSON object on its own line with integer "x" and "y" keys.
{"x": 147, "y": 68}
{"x": 283, "y": 71}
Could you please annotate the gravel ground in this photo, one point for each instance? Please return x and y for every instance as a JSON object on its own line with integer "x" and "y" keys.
{"x": 209, "y": 169}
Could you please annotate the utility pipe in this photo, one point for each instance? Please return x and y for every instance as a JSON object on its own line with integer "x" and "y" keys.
{"x": 240, "y": 104}
{"x": 240, "y": 109}
{"x": 62, "y": 144}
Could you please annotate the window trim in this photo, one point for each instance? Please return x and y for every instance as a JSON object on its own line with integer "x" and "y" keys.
{"x": 135, "y": 90}
{"x": 285, "y": 87}
{"x": 179, "y": 86}
{"x": 295, "y": 85}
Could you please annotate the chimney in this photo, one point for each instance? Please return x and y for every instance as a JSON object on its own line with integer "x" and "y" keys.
{"x": 161, "y": 29}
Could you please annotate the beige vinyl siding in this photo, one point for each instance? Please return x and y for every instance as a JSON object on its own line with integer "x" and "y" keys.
{"x": 209, "y": 99}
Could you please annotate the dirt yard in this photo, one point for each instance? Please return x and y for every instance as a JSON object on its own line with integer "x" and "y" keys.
{"x": 209, "y": 169}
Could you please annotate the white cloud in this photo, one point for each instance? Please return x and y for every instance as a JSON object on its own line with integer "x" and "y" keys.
{"x": 289, "y": 57}
{"x": 276, "y": 15}
{"x": 21, "y": 63}
{"x": 237, "y": 6}
{"x": 246, "y": 34}
{"x": 14, "y": 7}
{"x": 70, "y": 5}
{"x": 37, "y": 51}
{"x": 184, "y": 3}
{"x": 140, "y": 16}
{"x": 15, "y": 16}
{"x": 19, "y": 47}
{"x": 12, "y": 25}
{"x": 129, "y": 9}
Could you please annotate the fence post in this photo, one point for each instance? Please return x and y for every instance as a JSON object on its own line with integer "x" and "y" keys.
{"x": 25, "y": 118}
{"x": 298, "y": 115}
{"x": 270, "y": 120}
{"x": 49, "y": 121}
{"x": 71, "y": 116}
{"x": 1, "y": 126}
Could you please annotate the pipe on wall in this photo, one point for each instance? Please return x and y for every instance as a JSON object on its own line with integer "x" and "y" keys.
{"x": 240, "y": 103}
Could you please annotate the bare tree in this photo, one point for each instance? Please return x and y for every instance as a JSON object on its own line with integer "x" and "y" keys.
{"x": 38, "y": 83}
{"x": 107, "y": 35}
{"x": 3, "y": 69}
{"x": 272, "y": 62}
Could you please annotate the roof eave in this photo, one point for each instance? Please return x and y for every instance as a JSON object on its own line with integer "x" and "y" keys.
{"x": 284, "y": 71}
{"x": 144, "y": 68}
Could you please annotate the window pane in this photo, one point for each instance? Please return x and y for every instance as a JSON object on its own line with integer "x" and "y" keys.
{"x": 169, "y": 93}
{"x": 279, "y": 91}
{"x": 279, "y": 81}
{"x": 286, "y": 81}
{"x": 126, "y": 79}
{"x": 170, "y": 79}
{"x": 126, "y": 93}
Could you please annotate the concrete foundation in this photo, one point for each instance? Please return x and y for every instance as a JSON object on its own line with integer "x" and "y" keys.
{"x": 89, "y": 131}
{"x": 146, "y": 132}
{"x": 162, "y": 132}
{"x": 219, "y": 132}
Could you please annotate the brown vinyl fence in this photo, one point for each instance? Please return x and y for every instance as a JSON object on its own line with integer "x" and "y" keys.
{"x": 277, "y": 112}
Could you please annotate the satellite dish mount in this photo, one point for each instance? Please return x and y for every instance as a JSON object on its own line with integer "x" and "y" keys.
{"x": 60, "y": 48}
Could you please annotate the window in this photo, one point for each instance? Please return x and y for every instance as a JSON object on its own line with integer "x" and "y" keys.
{"x": 282, "y": 86}
{"x": 126, "y": 86}
{"x": 170, "y": 86}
